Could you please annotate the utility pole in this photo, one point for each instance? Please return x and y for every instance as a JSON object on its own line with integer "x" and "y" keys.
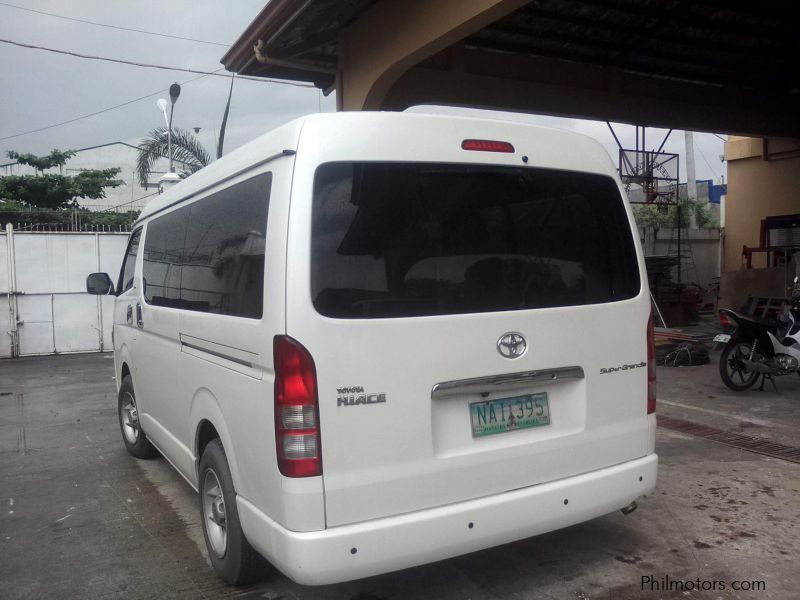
{"x": 691, "y": 180}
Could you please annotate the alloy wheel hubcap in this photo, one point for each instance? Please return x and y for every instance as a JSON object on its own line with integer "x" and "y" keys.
{"x": 130, "y": 419}
{"x": 214, "y": 514}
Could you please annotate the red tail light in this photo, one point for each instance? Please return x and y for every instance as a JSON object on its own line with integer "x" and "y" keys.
{"x": 297, "y": 437}
{"x": 724, "y": 321}
{"x": 651, "y": 366}
{"x": 487, "y": 146}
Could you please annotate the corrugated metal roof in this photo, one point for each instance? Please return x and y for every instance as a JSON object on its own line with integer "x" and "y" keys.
{"x": 716, "y": 42}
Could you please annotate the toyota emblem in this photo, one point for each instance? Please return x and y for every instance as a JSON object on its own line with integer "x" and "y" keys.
{"x": 512, "y": 345}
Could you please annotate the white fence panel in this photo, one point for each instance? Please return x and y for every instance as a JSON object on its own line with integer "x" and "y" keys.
{"x": 54, "y": 262}
{"x": 53, "y": 311}
{"x": 111, "y": 250}
{"x": 35, "y": 324}
{"x": 75, "y": 323}
{"x": 5, "y": 333}
{"x": 107, "y": 315}
{"x": 5, "y": 299}
{"x": 4, "y": 266}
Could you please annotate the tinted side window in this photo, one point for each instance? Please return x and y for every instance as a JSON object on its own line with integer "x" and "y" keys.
{"x": 129, "y": 263}
{"x": 223, "y": 269}
{"x": 163, "y": 257}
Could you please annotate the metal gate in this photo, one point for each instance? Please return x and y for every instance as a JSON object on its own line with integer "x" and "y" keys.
{"x": 43, "y": 279}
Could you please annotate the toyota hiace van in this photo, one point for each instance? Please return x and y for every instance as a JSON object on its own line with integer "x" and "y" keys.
{"x": 374, "y": 340}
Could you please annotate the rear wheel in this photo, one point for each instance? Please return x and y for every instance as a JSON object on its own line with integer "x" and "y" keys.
{"x": 232, "y": 556}
{"x": 732, "y": 369}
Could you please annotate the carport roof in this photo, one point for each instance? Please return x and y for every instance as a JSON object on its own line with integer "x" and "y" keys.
{"x": 302, "y": 32}
{"x": 728, "y": 43}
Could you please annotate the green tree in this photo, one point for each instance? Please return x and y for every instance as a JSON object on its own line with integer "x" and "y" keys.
{"x": 56, "y": 158}
{"x": 665, "y": 216}
{"x": 651, "y": 215}
{"x": 50, "y": 190}
{"x": 705, "y": 218}
{"x": 186, "y": 150}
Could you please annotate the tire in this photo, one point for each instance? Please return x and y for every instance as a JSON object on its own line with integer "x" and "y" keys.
{"x": 734, "y": 375}
{"x": 135, "y": 439}
{"x": 232, "y": 556}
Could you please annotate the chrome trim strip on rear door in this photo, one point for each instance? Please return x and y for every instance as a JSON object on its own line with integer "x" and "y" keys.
{"x": 492, "y": 383}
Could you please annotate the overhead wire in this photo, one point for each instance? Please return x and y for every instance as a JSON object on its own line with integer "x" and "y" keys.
{"x": 150, "y": 65}
{"x": 98, "y": 112}
{"x": 110, "y": 208}
{"x": 706, "y": 160}
{"x": 119, "y": 27}
{"x": 202, "y": 74}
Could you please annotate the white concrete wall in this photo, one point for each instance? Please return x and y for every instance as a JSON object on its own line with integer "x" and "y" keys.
{"x": 701, "y": 247}
{"x": 45, "y": 306}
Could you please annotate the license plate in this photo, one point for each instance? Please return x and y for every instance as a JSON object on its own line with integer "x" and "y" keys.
{"x": 723, "y": 338}
{"x": 508, "y": 414}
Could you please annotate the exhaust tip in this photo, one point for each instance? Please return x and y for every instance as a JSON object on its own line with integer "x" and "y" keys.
{"x": 630, "y": 508}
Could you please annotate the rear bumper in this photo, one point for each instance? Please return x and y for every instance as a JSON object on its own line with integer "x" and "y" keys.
{"x": 383, "y": 545}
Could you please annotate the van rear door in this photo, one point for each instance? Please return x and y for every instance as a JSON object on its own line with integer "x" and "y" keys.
{"x": 475, "y": 328}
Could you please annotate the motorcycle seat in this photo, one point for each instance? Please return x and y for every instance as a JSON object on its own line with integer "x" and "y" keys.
{"x": 766, "y": 322}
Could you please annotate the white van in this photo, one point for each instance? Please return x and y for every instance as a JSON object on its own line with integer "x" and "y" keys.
{"x": 375, "y": 340}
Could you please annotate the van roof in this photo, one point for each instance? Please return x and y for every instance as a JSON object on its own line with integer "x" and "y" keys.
{"x": 325, "y": 127}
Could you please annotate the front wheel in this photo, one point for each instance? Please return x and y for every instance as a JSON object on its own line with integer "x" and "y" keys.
{"x": 135, "y": 439}
{"x": 232, "y": 556}
{"x": 732, "y": 369}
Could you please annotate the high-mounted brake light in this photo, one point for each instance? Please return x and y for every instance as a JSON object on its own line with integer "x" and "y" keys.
{"x": 651, "y": 365}
{"x": 487, "y": 146}
{"x": 297, "y": 437}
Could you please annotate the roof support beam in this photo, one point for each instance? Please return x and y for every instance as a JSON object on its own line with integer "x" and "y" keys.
{"x": 570, "y": 89}
{"x": 392, "y": 37}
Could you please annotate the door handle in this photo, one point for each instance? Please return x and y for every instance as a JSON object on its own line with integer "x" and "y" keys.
{"x": 139, "y": 321}
{"x": 129, "y": 315}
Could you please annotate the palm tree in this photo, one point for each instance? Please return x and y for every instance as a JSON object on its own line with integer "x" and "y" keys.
{"x": 186, "y": 150}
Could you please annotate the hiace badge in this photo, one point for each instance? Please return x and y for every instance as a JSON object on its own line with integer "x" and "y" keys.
{"x": 353, "y": 396}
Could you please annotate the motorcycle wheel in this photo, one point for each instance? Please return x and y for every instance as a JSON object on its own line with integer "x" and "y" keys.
{"x": 731, "y": 368}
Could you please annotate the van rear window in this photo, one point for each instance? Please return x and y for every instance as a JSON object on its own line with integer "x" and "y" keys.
{"x": 417, "y": 239}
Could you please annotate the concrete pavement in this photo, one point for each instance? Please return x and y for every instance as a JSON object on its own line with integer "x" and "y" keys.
{"x": 79, "y": 518}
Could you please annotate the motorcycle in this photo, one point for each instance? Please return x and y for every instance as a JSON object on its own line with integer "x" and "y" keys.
{"x": 761, "y": 347}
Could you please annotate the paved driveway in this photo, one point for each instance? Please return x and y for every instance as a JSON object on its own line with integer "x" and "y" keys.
{"x": 79, "y": 518}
